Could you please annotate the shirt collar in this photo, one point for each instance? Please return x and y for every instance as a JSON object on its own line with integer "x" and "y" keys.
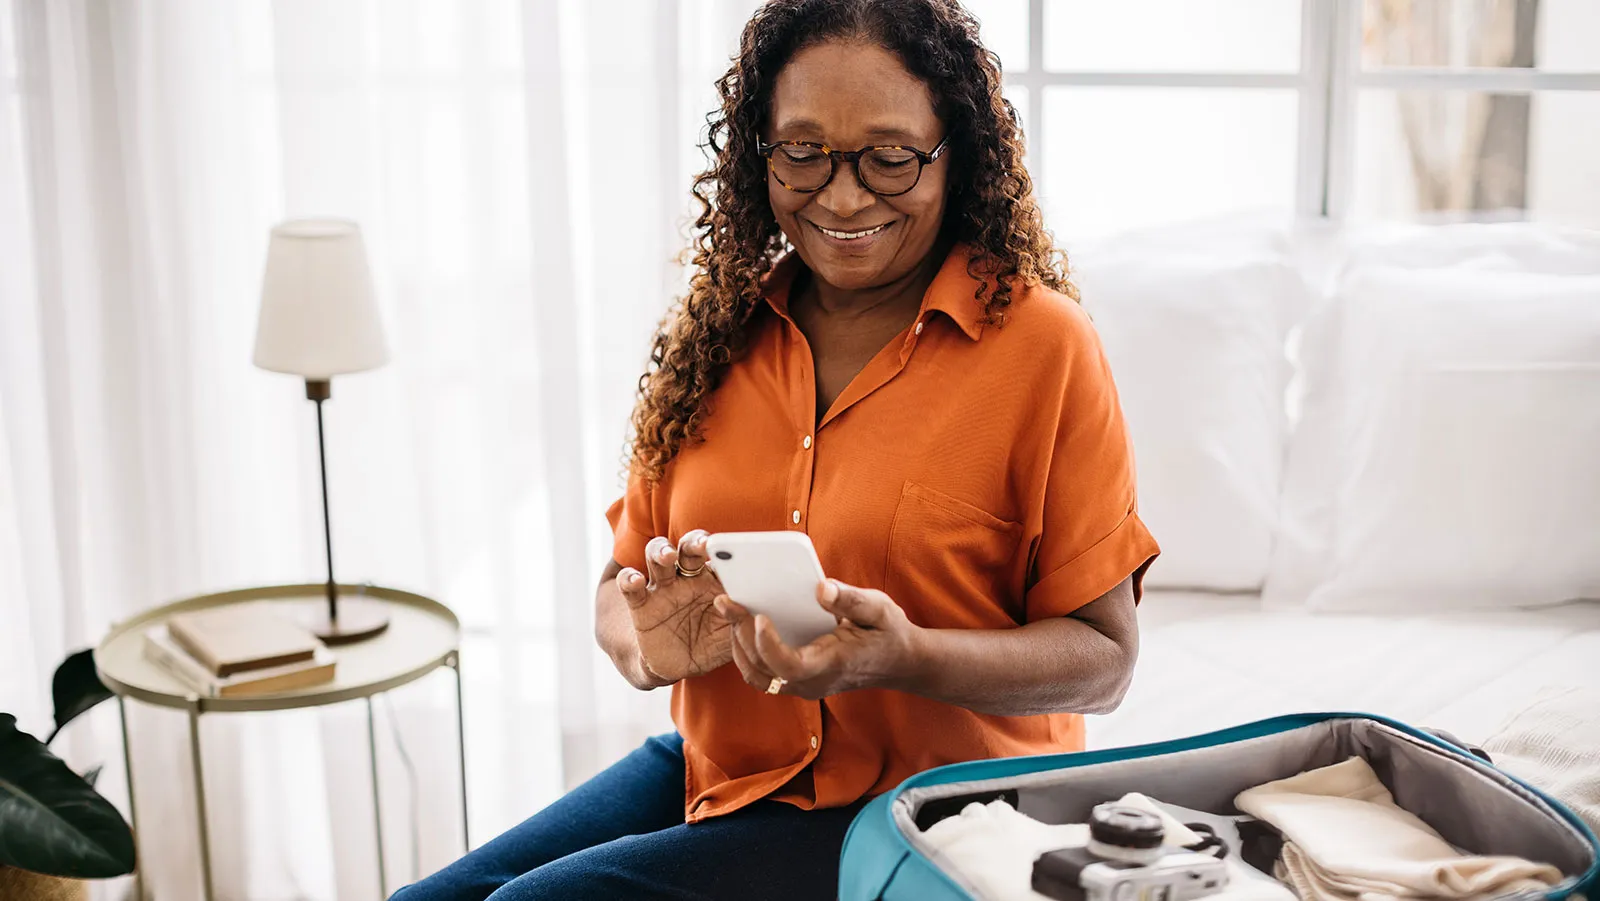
{"x": 952, "y": 291}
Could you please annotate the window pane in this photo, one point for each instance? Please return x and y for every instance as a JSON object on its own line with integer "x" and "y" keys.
{"x": 1466, "y": 155}
{"x": 1003, "y": 26}
{"x": 1560, "y": 35}
{"x": 1116, "y": 158}
{"x": 1172, "y": 35}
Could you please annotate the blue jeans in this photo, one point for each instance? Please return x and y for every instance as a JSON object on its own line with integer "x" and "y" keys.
{"x": 621, "y": 835}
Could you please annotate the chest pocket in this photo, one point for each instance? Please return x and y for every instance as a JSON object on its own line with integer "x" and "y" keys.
{"x": 950, "y": 564}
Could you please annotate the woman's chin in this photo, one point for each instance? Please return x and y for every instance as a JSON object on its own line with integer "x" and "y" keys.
{"x": 849, "y": 272}
{"x": 848, "y": 279}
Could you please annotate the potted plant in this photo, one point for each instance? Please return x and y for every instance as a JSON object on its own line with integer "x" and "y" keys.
{"x": 55, "y": 829}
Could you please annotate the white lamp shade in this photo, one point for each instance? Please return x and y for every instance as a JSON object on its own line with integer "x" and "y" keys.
{"x": 319, "y": 316}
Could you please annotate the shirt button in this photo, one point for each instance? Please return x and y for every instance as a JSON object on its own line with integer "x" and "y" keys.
{"x": 814, "y": 742}
{"x": 918, "y": 329}
{"x": 796, "y": 517}
{"x": 806, "y": 442}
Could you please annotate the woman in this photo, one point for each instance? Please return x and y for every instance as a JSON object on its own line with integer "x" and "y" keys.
{"x": 915, "y": 387}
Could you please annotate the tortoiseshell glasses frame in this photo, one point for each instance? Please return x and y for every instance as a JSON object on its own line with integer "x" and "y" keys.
{"x": 880, "y": 175}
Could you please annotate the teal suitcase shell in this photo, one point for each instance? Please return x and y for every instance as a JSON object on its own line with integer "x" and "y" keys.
{"x": 1470, "y": 802}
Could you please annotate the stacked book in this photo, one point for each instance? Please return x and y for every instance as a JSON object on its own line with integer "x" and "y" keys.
{"x": 246, "y": 649}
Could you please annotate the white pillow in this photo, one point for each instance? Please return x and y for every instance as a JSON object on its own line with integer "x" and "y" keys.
{"x": 1448, "y": 451}
{"x": 1196, "y": 344}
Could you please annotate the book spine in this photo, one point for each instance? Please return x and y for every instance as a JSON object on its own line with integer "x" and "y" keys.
{"x": 186, "y": 669}
{"x": 290, "y": 681}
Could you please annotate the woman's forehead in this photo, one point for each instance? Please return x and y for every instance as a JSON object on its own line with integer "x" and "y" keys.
{"x": 851, "y": 91}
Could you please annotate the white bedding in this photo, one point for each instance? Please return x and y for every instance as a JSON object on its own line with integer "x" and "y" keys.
{"x": 1209, "y": 661}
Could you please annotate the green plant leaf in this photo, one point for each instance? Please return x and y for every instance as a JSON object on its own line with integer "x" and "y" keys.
{"x": 51, "y": 821}
{"x": 76, "y": 689}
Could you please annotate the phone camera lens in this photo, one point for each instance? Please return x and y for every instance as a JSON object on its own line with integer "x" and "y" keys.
{"x": 724, "y": 555}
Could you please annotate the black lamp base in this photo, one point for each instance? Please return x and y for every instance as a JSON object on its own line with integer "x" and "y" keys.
{"x": 359, "y": 619}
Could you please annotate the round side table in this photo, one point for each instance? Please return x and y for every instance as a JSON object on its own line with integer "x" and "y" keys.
{"x": 423, "y": 635}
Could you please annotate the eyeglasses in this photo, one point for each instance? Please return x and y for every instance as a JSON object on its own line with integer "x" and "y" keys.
{"x": 886, "y": 171}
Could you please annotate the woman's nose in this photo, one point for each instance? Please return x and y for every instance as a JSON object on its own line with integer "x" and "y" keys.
{"x": 845, "y": 196}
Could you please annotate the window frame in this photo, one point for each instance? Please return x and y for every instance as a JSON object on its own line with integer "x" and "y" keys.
{"x": 1328, "y": 84}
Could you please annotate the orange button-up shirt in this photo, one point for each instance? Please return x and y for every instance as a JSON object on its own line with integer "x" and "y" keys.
{"x": 981, "y": 476}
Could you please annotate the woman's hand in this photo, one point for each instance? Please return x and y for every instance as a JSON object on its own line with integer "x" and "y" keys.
{"x": 874, "y": 646}
{"x": 680, "y": 632}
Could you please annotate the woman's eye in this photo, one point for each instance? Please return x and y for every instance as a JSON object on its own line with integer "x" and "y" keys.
{"x": 800, "y": 156}
{"x": 893, "y": 161}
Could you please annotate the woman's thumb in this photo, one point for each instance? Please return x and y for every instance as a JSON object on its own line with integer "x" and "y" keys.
{"x": 859, "y": 605}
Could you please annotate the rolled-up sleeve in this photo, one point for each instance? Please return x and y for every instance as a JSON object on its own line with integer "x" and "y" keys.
{"x": 1091, "y": 537}
{"x": 631, "y": 523}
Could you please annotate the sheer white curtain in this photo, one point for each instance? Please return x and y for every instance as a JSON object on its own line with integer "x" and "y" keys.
{"x": 521, "y": 171}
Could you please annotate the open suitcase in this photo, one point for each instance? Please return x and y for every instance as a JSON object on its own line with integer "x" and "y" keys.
{"x": 1472, "y": 804}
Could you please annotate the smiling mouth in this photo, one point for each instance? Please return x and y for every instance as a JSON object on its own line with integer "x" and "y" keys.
{"x": 852, "y": 235}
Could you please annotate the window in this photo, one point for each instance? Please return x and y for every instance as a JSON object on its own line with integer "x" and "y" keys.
{"x": 1148, "y": 111}
{"x": 1119, "y": 157}
{"x": 1168, "y": 36}
{"x": 1487, "y": 109}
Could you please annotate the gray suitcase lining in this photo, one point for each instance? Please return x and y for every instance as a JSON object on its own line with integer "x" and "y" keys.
{"x": 1474, "y": 806}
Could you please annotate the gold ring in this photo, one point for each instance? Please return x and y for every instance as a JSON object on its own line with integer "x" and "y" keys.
{"x": 689, "y": 573}
{"x": 776, "y": 685}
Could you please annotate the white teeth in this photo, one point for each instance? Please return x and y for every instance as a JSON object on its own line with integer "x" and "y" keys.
{"x": 851, "y": 236}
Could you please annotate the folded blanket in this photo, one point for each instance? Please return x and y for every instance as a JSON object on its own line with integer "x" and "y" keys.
{"x": 1555, "y": 744}
{"x": 992, "y": 847}
{"x": 1346, "y": 840}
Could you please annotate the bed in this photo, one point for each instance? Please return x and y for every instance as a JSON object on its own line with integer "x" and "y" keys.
{"x": 1212, "y": 660}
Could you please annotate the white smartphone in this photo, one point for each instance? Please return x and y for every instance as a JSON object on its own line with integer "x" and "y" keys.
{"x": 775, "y": 574}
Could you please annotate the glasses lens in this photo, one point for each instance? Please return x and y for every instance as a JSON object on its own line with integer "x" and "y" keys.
{"x": 889, "y": 170}
{"x": 800, "y": 167}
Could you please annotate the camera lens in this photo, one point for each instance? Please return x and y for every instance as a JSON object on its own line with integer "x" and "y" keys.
{"x": 1121, "y": 826}
{"x": 724, "y": 555}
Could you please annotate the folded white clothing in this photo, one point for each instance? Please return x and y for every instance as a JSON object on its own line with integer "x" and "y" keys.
{"x": 1345, "y": 839}
{"x": 991, "y": 848}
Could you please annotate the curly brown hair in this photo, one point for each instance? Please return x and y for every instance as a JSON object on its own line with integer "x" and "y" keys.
{"x": 737, "y": 240}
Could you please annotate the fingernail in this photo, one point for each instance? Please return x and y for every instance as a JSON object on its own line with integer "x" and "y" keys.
{"x": 830, "y": 590}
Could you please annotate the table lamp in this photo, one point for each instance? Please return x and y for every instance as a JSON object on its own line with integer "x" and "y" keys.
{"x": 319, "y": 318}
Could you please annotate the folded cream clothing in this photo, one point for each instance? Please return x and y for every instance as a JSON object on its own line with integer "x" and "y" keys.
{"x": 992, "y": 848}
{"x": 1346, "y": 840}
